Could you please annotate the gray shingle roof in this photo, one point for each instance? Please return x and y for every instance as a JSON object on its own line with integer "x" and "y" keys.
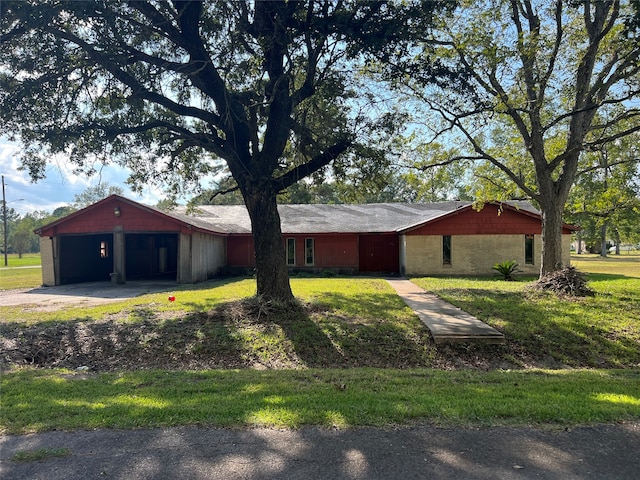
{"x": 317, "y": 218}
{"x": 307, "y": 219}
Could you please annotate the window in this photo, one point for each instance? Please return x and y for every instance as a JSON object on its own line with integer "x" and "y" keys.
{"x": 309, "y": 253}
{"x": 291, "y": 251}
{"x": 528, "y": 249}
{"x": 446, "y": 249}
{"x": 104, "y": 249}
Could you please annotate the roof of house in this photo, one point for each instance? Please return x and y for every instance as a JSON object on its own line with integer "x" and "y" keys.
{"x": 320, "y": 218}
{"x": 312, "y": 218}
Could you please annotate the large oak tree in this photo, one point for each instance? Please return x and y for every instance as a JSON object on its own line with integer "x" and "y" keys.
{"x": 167, "y": 87}
{"x": 535, "y": 78}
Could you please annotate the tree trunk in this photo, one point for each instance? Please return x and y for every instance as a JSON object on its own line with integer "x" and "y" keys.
{"x": 579, "y": 242}
{"x": 551, "y": 238}
{"x": 603, "y": 240}
{"x": 271, "y": 268}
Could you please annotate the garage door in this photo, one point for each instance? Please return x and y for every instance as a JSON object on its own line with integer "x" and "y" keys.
{"x": 86, "y": 258}
{"x": 151, "y": 255}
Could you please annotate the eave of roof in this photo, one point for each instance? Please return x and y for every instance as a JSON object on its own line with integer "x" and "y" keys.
{"x": 312, "y": 218}
{"x": 184, "y": 220}
{"x": 327, "y": 219}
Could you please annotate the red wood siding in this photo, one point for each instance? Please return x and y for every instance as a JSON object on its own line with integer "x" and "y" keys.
{"x": 487, "y": 221}
{"x": 240, "y": 251}
{"x": 331, "y": 251}
{"x": 379, "y": 253}
{"x": 102, "y": 219}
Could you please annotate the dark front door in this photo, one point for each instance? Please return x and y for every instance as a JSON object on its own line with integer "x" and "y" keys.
{"x": 379, "y": 253}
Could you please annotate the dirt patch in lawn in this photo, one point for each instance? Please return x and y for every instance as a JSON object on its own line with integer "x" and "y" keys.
{"x": 50, "y": 299}
{"x": 243, "y": 335}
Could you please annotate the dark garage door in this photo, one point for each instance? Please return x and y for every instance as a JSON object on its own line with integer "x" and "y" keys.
{"x": 151, "y": 256}
{"x": 379, "y": 253}
{"x": 86, "y": 258}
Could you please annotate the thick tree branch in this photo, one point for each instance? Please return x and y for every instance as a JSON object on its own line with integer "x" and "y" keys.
{"x": 224, "y": 192}
{"x": 312, "y": 166}
{"x": 138, "y": 90}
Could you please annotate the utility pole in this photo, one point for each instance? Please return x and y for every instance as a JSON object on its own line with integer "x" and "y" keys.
{"x": 4, "y": 222}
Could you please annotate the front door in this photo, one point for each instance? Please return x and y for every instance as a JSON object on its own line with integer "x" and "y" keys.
{"x": 379, "y": 253}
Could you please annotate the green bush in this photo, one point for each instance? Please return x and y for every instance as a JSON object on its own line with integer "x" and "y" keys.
{"x": 507, "y": 269}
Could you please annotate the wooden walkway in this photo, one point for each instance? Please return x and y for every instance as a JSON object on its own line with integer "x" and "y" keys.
{"x": 447, "y": 324}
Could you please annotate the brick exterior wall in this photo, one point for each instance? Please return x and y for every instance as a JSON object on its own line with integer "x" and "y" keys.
{"x": 472, "y": 254}
{"x": 48, "y": 264}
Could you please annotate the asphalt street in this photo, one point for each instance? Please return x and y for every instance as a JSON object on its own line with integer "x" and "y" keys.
{"x": 417, "y": 452}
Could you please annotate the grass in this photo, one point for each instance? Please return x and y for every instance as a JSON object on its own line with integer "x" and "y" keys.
{"x": 36, "y": 400}
{"x": 360, "y": 319}
{"x": 603, "y": 330}
{"x": 345, "y": 323}
{"x": 40, "y": 454}
{"x": 15, "y": 275}
{"x": 366, "y": 297}
{"x": 625, "y": 264}
{"x": 189, "y": 298}
{"x": 11, "y": 278}
{"x": 27, "y": 260}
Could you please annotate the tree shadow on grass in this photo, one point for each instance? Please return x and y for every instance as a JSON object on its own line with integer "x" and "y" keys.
{"x": 567, "y": 330}
{"x": 190, "y": 342}
{"x": 237, "y": 334}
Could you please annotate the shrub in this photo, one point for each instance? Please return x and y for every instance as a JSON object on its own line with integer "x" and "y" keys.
{"x": 507, "y": 269}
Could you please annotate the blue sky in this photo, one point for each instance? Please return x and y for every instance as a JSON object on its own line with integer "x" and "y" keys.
{"x": 60, "y": 186}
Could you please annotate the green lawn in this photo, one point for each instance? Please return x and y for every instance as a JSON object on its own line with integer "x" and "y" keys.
{"x": 11, "y": 278}
{"x": 44, "y": 400}
{"x": 598, "y": 331}
{"x": 27, "y": 260}
{"x": 15, "y": 275}
{"x": 354, "y": 324}
{"x": 625, "y": 264}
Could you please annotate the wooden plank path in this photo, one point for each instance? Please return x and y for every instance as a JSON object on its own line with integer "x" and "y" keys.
{"x": 447, "y": 324}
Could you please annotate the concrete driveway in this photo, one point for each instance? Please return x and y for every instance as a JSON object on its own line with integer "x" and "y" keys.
{"x": 82, "y": 294}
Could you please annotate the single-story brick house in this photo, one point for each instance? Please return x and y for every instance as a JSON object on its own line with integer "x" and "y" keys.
{"x": 119, "y": 239}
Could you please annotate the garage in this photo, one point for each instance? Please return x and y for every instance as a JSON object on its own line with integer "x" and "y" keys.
{"x": 118, "y": 240}
{"x": 151, "y": 256}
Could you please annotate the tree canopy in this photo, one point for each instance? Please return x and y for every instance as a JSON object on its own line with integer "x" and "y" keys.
{"x": 605, "y": 201}
{"x": 540, "y": 83}
{"x": 171, "y": 88}
{"x": 94, "y": 193}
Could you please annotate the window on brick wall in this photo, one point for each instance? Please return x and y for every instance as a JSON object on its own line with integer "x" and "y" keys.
{"x": 446, "y": 249}
{"x": 528, "y": 249}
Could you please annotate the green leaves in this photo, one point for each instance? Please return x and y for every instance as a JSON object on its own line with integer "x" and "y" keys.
{"x": 507, "y": 269}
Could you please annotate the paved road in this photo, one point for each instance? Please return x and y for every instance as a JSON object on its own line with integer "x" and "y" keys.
{"x": 419, "y": 452}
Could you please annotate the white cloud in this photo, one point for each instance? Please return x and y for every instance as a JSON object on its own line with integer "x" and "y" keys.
{"x": 61, "y": 184}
